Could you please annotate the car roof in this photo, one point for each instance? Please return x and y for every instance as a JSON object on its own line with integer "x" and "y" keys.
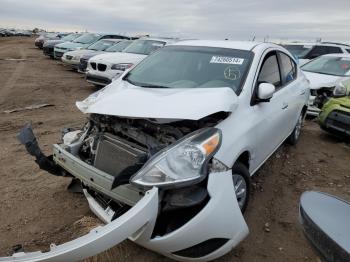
{"x": 345, "y": 55}
{"x": 317, "y": 43}
{"x": 242, "y": 45}
{"x": 166, "y": 40}
{"x": 112, "y": 39}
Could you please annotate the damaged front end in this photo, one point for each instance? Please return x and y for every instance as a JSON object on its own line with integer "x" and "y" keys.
{"x": 155, "y": 181}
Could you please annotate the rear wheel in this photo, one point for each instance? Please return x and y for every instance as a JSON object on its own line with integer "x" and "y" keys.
{"x": 294, "y": 136}
{"x": 242, "y": 184}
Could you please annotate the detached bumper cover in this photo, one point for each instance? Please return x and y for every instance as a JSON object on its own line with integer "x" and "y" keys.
{"x": 100, "y": 238}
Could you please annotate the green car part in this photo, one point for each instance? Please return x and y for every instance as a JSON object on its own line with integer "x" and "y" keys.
{"x": 335, "y": 114}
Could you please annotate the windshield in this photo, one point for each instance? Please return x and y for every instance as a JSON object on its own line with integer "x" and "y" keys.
{"x": 119, "y": 46}
{"x": 144, "y": 47}
{"x": 299, "y": 51}
{"x": 101, "y": 45}
{"x": 192, "y": 67}
{"x": 329, "y": 65}
{"x": 70, "y": 37}
{"x": 87, "y": 38}
{"x": 51, "y": 35}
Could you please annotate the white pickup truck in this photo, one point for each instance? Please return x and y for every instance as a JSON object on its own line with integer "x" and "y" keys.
{"x": 167, "y": 154}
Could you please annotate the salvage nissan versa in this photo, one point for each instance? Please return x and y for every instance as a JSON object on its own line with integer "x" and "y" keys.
{"x": 166, "y": 156}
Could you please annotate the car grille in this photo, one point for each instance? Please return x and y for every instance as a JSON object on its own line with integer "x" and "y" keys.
{"x": 93, "y": 65}
{"x": 58, "y": 54}
{"x": 83, "y": 64}
{"x": 48, "y": 50}
{"x": 101, "y": 67}
{"x": 339, "y": 121}
{"x": 98, "y": 80}
{"x": 69, "y": 57}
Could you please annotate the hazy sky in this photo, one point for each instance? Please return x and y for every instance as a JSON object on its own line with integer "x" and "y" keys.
{"x": 212, "y": 19}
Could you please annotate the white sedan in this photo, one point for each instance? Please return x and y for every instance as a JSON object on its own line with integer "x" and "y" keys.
{"x": 167, "y": 154}
{"x": 324, "y": 74}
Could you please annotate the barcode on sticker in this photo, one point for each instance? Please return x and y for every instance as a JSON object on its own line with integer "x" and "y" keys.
{"x": 226, "y": 60}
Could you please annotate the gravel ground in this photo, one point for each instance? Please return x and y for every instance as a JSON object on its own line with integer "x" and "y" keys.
{"x": 36, "y": 209}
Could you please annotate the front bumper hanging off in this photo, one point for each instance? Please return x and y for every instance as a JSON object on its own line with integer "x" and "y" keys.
{"x": 100, "y": 238}
{"x": 217, "y": 228}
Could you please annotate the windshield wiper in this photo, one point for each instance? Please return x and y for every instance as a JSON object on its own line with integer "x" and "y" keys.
{"x": 126, "y": 78}
{"x": 153, "y": 86}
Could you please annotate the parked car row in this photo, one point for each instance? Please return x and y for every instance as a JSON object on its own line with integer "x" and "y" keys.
{"x": 15, "y": 32}
{"x": 171, "y": 143}
{"x": 102, "y": 57}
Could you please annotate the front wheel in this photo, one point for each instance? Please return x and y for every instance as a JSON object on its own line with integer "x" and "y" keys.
{"x": 294, "y": 136}
{"x": 242, "y": 184}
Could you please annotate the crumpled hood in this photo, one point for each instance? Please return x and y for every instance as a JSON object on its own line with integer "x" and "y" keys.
{"x": 125, "y": 100}
{"x": 118, "y": 57}
{"x": 318, "y": 81}
{"x": 72, "y": 45}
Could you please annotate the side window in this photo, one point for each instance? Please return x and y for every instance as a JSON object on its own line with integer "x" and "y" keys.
{"x": 269, "y": 72}
{"x": 334, "y": 50}
{"x": 317, "y": 51}
{"x": 348, "y": 50}
{"x": 288, "y": 68}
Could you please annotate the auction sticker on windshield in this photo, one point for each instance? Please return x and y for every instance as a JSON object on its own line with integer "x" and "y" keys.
{"x": 226, "y": 60}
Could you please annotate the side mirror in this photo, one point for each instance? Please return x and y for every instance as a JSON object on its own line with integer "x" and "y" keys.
{"x": 265, "y": 92}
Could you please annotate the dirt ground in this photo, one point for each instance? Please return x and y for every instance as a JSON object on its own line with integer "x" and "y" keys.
{"x": 36, "y": 209}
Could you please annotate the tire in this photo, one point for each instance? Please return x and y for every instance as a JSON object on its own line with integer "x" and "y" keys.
{"x": 294, "y": 136}
{"x": 240, "y": 173}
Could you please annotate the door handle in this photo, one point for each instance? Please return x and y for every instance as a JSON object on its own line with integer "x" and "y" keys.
{"x": 303, "y": 93}
{"x": 285, "y": 106}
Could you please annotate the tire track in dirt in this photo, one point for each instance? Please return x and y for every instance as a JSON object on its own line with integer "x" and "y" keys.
{"x": 9, "y": 85}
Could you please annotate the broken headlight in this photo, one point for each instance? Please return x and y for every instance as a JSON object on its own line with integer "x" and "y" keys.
{"x": 182, "y": 163}
{"x": 339, "y": 90}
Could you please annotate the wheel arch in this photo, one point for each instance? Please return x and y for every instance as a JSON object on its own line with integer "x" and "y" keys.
{"x": 244, "y": 158}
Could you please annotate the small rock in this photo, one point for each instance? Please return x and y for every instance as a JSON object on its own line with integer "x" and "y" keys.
{"x": 267, "y": 227}
{"x": 280, "y": 248}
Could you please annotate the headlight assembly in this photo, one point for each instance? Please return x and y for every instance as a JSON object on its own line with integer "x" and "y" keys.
{"x": 182, "y": 163}
{"x": 339, "y": 90}
{"x": 121, "y": 67}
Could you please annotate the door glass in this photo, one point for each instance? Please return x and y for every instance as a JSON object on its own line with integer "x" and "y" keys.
{"x": 288, "y": 68}
{"x": 269, "y": 72}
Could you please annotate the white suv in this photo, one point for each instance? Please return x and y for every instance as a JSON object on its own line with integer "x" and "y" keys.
{"x": 167, "y": 154}
{"x": 103, "y": 68}
{"x": 307, "y": 51}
